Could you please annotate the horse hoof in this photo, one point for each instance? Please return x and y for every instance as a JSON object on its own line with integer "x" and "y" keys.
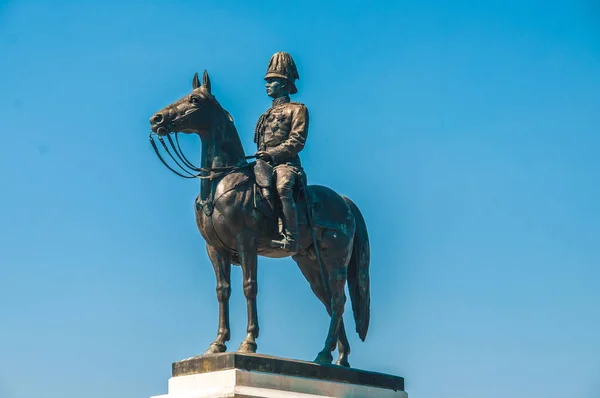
{"x": 324, "y": 358}
{"x": 247, "y": 347}
{"x": 343, "y": 362}
{"x": 215, "y": 348}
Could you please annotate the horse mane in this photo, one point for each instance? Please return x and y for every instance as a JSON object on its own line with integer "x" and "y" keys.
{"x": 228, "y": 123}
{"x": 225, "y": 111}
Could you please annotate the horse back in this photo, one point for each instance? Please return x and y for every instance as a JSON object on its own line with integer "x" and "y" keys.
{"x": 329, "y": 210}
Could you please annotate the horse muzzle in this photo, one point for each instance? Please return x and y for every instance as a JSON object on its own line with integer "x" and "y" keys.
{"x": 159, "y": 124}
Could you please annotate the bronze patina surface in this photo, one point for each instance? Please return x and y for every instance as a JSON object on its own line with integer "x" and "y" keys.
{"x": 286, "y": 367}
{"x": 266, "y": 208}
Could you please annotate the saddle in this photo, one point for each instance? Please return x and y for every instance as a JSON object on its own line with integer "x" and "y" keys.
{"x": 263, "y": 188}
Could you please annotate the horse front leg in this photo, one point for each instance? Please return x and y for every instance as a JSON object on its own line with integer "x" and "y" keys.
{"x": 248, "y": 258}
{"x": 221, "y": 261}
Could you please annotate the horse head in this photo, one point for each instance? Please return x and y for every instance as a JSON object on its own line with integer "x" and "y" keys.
{"x": 199, "y": 112}
{"x": 193, "y": 113}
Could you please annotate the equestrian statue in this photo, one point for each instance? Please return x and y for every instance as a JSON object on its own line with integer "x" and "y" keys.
{"x": 265, "y": 207}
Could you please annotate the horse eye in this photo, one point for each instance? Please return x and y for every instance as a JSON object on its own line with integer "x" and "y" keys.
{"x": 194, "y": 100}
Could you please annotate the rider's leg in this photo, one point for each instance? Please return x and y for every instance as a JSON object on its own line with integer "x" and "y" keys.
{"x": 285, "y": 179}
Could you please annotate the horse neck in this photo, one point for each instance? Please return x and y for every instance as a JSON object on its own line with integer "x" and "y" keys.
{"x": 221, "y": 147}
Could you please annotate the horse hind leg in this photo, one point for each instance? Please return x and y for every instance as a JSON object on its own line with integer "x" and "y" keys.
{"x": 332, "y": 296}
{"x": 311, "y": 271}
{"x": 343, "y": 346}
{"x": 337, "y": 282}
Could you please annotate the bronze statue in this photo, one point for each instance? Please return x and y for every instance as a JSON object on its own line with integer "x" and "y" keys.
{"x": 239, "y": 217}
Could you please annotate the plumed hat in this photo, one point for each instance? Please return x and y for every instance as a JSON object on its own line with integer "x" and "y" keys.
{"x": 282, "y": 65}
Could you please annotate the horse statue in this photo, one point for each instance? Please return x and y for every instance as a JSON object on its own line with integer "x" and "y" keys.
{"x": 236, "y": 221}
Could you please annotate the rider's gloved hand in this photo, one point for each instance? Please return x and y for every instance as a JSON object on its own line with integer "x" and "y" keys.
{"x": 263, "y": 155}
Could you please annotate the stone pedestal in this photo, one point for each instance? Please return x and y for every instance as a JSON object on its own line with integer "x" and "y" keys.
{"x": 231, "y": 375}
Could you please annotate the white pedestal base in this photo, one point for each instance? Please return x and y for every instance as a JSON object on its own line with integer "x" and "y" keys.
{"x": 244, "y": 384}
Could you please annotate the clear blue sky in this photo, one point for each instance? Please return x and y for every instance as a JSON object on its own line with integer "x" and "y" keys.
{"x": 467, "y": 133}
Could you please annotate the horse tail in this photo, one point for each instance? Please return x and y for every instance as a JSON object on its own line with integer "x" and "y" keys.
{"x": 358, "y": 273}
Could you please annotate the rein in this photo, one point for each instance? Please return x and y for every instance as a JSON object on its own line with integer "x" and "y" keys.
{"x": 183, "y": 159}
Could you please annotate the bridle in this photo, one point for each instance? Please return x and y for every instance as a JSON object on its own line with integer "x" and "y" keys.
{"x": 177, "y": 153}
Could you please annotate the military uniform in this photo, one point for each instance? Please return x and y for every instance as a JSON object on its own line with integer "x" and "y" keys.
{"x": 281, "y": 132}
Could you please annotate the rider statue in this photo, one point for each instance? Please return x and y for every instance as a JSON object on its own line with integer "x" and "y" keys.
{"x": 280, "y": 135}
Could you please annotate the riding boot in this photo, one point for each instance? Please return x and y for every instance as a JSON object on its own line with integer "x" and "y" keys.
{"x": 290, "y": 223}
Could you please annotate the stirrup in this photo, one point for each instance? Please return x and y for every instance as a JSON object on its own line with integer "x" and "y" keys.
{"x": 287, "y": 243}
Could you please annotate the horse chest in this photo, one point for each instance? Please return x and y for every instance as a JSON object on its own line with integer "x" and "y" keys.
{"x": 205, "y": 213}
{"x": 214, "y": 224}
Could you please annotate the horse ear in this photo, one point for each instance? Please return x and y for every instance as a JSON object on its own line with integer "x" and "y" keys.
{"x": 206, "y": 81}
{"x": 196, "y": 82}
